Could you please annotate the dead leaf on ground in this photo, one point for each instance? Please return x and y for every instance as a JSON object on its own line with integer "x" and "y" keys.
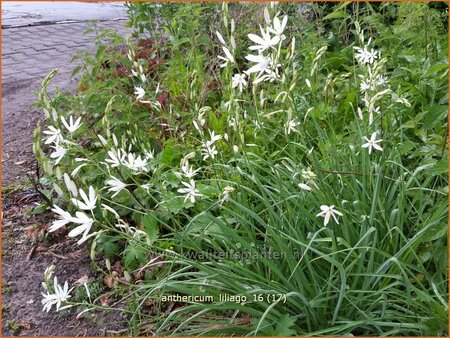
{"x": 110, "y": 280}
{"x": 82, "y": 280}
{"x": 150, "y": 302}
{"x": 104, "y": 300}
{"x": 35, "y": 231}
{"x": 25, "y": 324}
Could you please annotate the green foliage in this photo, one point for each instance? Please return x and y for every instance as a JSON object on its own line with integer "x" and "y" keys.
{"x": 222, "y": 190}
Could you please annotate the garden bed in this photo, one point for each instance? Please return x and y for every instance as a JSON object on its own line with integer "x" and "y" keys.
{"x": 283, "y": 177}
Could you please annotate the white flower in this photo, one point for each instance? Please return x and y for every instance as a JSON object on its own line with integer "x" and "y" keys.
{"x": 278, "y": 27}
{"x": 201, "y": 119}
{"x": 364, "y": 56}
{"x": 70, "y": 185}
{"x": 149, "y": 155}
{"x": 360, "y": 115}
{"x": 135, "y": 163}
{"x": 239, "y": 80}
{"x": 199, "y": 122}
{"x": 209, "y": 150}
{"x": 89, "y": 202}
{"x": 58, "y": 154}
{"x": 290, "y": 126}
{"x": 190, "y": 191}
{"x": 262, "y": 63}
{"x": 272, "y": 76}
{"x": 84, "y": 227}
{"x": 64, "y": 216}
{"x": 264, "y": 41}
{"x": 304, "y": 186}
{"x": 228, "y": 57}
{"x": 71, "y": 126}
{"x": 328, "y": 212}
{"x": 371, "y": 111}
{"x": 364, "y": 86}
{"x": 116, "y": 157}
{"x": 61, "y": 295}
{"x": 381, "y": 80}
{"x": 116, "y": 185}
{"x": 54, "y": 135}
{"x": 141, "y": 76}
{"x": 139, "y": 92}
{"x": 214, "y": 137}
{"x": 187, "y": 171}
{"x": 372, "y": 143}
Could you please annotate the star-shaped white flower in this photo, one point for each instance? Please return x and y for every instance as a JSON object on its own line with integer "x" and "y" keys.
{"x": 190, "y": 191}
{"x": 372, "y": 143}
{"x": 58, "y": 154}
{"x": 116, "y": 157}
{"x": 116, "y": 185}
{"x": 262, "y": 63}
{"x": 135, "y": 163}
{"x": 139, "y": 92}
{"x": 328, "y": 212}
{"x": 239, "y": 80}
{"x": 278, "y": 27}
{"x": 364, "y": 55}
{"x": 61, "y": 295}
{"x": 291, "y": 126}
{"x": 55, "y": 135}
{"x": 71, "y": 126}
{"x": 364, "y": 86}
{"x": 264, "y": 41}
{"x": 88, "y": 202}
{"x": 208, "y": 150}
{"x": 186, "y": 171}
{"x": 64, "y": 218}
{"x": 84, "y": 227}
{"x": 214, "y": 137}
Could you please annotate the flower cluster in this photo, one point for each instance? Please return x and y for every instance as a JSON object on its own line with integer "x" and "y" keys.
{"x": 140, "y": 78}
{"x": 268, "y": 47}
{"x": 58, "y": 296}
{"x": 371, "y": 86}
{"x": 84, "y": 222}
{"x": 55, "y": 137}
{"x": 209, "y": 149}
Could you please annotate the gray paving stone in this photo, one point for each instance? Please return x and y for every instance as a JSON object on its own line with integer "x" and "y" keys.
{"x": 28, "y": 55}
{"x": 54, "y": 44}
